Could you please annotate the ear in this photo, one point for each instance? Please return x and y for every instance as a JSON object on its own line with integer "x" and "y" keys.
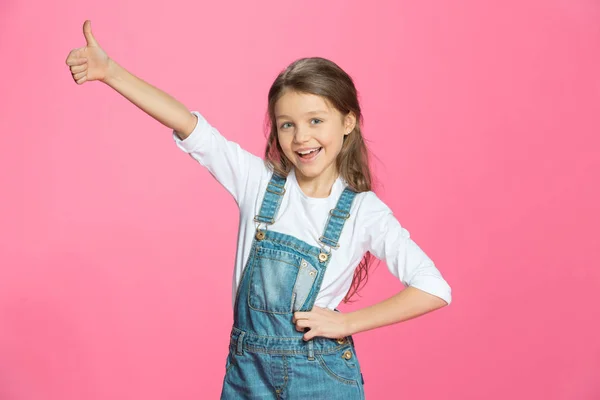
{"x": 349, "y": 123}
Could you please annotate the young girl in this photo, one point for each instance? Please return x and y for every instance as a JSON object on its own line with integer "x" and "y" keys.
{"x": 308, "y": 223}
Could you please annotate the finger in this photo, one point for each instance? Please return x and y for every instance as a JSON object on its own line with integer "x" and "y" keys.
{"x": 74, "y": 61}
{"x": 310, "y": 334}
{"x": 79, "y": 68}
{"x": 79, "y": 75}
{"x": 70, "y": 56}
{"x": 301, "y": 315}
{"x": 82, "y": 80}
{"x": 87, "y": 32}
{"x": 302, "y": 325}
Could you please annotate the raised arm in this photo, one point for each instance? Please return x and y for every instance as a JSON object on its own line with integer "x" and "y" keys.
{"x": 91, "y": 63}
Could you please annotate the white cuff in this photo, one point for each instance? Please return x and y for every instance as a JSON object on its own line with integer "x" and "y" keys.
{"x": 433, "y": 285}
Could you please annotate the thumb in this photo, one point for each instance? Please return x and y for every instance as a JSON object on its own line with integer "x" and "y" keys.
{"x": 87, "y": 32}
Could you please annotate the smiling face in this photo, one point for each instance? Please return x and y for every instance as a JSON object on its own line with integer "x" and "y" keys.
{"x": 311, "y": 134}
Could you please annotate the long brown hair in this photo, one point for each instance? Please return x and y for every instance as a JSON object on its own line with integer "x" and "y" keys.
{"x": 324, "y": 78}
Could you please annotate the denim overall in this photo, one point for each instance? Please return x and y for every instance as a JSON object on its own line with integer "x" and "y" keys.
{"x": 268, "y": 358}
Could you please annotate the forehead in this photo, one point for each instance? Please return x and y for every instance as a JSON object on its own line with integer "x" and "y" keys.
{"x": 297, "y": 104}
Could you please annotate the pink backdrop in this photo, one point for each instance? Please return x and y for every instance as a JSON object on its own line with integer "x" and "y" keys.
{"x": 116, "y": 249}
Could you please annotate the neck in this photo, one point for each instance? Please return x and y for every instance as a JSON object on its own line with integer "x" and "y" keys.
{"x": 319, "y": 186}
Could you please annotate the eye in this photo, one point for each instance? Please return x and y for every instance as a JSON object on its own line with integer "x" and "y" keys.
{"x": 315, "y": 121}
{"x": 286, "y": 125}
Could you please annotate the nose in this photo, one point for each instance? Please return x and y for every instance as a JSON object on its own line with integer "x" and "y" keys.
{"x": 301, "y": 135}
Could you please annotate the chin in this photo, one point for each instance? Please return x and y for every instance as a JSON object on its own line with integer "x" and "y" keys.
{"x": 310, "y": 173}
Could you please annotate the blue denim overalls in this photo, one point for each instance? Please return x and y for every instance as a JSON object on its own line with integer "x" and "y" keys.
{"x": 268, "y": 358}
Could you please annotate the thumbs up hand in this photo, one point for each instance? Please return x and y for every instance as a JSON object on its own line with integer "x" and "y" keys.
{"x": 89, "y": 63}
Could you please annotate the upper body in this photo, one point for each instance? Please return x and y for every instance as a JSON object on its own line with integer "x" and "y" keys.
{"x": 372, "y": 227}
{"x": 316, "y": 139}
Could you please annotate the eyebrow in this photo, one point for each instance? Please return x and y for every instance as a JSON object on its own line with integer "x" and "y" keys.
{"x": 308, "y": 113}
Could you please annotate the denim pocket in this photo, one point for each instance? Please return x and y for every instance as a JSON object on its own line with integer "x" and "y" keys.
{"x": 280, "y": 281}
{"x": 341, "y": 366}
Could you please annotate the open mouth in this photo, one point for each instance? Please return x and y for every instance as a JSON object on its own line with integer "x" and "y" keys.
{"x": 309, "y": 154}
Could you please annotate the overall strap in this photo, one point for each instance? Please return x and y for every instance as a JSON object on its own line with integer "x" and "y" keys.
{"x": 272, "y": 200}
{"x": 337, "y": 219}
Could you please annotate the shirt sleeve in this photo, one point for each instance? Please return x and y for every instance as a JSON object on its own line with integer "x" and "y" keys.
{"x": 387, "y": 240}
{"x": 231, "y": 165}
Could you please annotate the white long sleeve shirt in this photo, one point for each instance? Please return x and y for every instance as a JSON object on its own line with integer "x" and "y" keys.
{"x": 371, "y": 227}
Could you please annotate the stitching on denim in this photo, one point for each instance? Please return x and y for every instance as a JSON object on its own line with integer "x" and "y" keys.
{"x": 271, "y": 375}
{"x": 333, "y": 374}
{"x": 310, "y": 249}
{"x": 266, "y": 311}
{"x": 254, "y": 349}
{"x": 279, "y": 260}
{"x": 285, "y": 376}
{"x": 238, "y": 331}
{"x": 249, "y": 280}
{"x": 263, "y": 249}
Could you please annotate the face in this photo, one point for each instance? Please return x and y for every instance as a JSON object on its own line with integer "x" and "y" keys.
{"x": 311, "y": 133}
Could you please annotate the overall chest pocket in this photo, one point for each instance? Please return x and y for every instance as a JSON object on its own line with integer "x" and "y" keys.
{"x": 280, "y": 281}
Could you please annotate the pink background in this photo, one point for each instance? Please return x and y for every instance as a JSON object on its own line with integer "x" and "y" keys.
{"x": 116, "y": 249}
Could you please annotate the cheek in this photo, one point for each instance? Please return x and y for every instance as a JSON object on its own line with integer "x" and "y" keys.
{"x": 333, "y": 142}
{"x": 284, "y": 143}
{"x": 281, "y": 141}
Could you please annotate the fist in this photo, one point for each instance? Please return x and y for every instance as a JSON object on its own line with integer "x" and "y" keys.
{"x": 88, "y": 63}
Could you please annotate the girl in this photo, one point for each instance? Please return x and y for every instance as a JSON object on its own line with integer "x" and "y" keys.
{"x": 308, "y": 224}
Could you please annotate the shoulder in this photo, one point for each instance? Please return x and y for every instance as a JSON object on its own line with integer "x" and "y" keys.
{"x": 369, "y": 204}
{"x": 371, "y": 213}
{"x": 375, "y": 218}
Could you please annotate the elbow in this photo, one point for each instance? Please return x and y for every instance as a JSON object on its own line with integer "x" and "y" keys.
{"x": 187, "y": 127}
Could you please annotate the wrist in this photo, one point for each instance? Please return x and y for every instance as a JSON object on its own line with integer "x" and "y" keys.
{"x": 351, "y": 324}
{"x": 111, "y": 72}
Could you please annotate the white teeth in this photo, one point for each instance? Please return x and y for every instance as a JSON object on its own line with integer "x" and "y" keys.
{"x": 307, "y": 152}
